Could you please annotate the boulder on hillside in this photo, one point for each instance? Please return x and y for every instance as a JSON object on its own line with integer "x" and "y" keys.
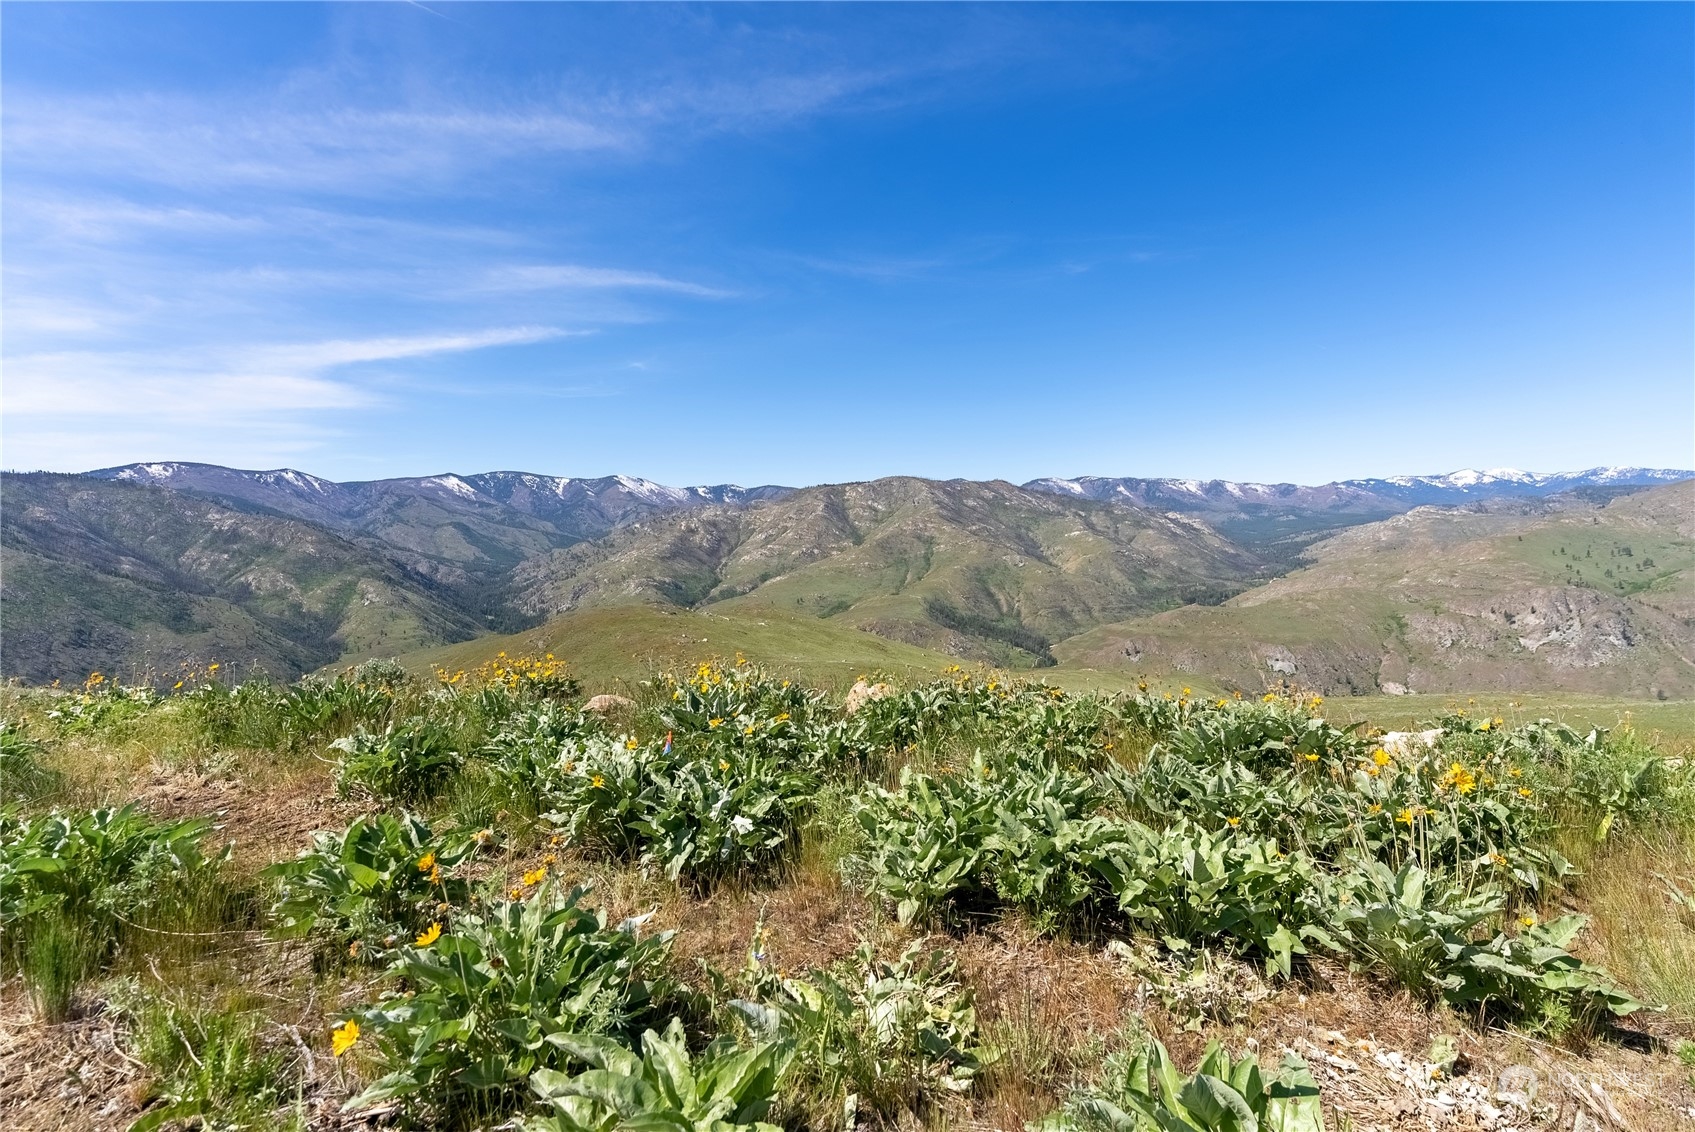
{"x": 862, "y": 693}
{"x": 607, "y": 702}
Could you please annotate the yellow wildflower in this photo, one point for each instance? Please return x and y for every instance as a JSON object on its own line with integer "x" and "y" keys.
{"x": 535, "y": 876}
{"x": 1524, "y": 791}
{"x": 1312, "y": 758}
{"x": 1405, "y": 817}
{"x": 1527, "y": 921}
{"x": 1232, "y": 822}
{"x": 1380, "y": 757}
{"x": 1459, "y": 778}
{"x": 429, "y": 935}
{"x": 1268, "y": 698}
{"x": 343, "y": 1037}
{"x": 426, "y": 862}
{"x": 597, "y": 782}
{"x": 723, "y": 764}
{"x": 1374, "y": 808}
{"x": 714, "y": 722}
{"x": 630, "y": 745}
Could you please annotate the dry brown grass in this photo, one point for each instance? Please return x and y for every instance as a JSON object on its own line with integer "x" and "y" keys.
{"x": 1638, "y": 931}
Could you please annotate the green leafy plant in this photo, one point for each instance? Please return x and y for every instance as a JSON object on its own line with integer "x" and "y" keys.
{"x": 368, "y": 888}
{"x": 1148, "y": 1094}
{"x": 869, "y": 1035}
{"x": 722, "y": 1089}
{"x": 410, "y": 761}
{"x": 1189, "y": 886}
{"x": 478, "y": 1009}
{"x": 101, "y": 867}
{"x": 925, "y": 841}
{"x": 1425, "y": 933}
{"x": 529, "y": 750}
{"x": 698, "y": 817}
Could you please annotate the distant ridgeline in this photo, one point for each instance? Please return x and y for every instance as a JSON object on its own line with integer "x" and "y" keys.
{"x": 1475, "y": 580}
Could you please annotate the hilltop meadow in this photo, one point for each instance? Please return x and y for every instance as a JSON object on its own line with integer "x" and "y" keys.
{"x": 722, "y": 874}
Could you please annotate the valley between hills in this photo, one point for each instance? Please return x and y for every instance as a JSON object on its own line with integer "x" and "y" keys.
{"x": 1474, "y": 582}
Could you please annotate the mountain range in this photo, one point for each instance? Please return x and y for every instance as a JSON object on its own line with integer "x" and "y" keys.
{"x": 148, "y": 565}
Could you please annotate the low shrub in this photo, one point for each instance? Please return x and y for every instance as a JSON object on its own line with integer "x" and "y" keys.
{"x": 869, "y": 1035}
{"x": 1146, "y": 1093}
{"x": 365, "y": 890}
{"x": 474, "y": 1011}
{"x": 721, "y": 1089}
{"x": 1432, "y": 939}
{"x": 408, "y": 762}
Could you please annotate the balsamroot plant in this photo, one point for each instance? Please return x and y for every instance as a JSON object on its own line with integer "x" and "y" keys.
{"x": 477, "y": 1006}
{"x": 1189, "y": 887}
{"x": 364, "y": 891}
{"x": 1432, "y": 938}
{"x": 408, "y": 762}
{"x": 1148, "y": 1094}
{"x": 698, "y": 814}
{"x": 869, "y": 1035}
{"x": 724, "y": 1088}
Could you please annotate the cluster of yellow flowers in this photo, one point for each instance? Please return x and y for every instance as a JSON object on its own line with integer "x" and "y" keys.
{"x": 427, "y": 864}
{"x": 531, "y": 879}
{"x": 507, "y": 672}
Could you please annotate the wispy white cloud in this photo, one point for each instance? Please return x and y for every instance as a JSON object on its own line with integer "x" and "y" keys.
{"x": 225, "y": 385}
{"x": 569, "y": 276}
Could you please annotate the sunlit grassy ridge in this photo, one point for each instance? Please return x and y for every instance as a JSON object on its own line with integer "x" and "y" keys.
{"x": 618, "y": 646}
{"x": 865, "y": 911}
{"x": 1568, "y": 596}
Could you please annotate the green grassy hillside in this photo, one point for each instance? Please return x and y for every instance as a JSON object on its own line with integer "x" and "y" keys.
{"x": 1560, "y": 596}
{"x": 618, "y": 645}
{"x": 983, "y": 571}
{"x": 126, "y": 578}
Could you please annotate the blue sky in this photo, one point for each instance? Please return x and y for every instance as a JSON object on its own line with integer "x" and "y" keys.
{"x": 819, "y": 243}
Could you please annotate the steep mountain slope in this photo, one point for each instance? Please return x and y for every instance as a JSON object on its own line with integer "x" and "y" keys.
{"x": 121, "y": 577}
{"x": 982, "y": 570}
{"x": 464, "y": 531}
{"x": 1280, "y": 520}
{"x": 1564, "y": 593}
